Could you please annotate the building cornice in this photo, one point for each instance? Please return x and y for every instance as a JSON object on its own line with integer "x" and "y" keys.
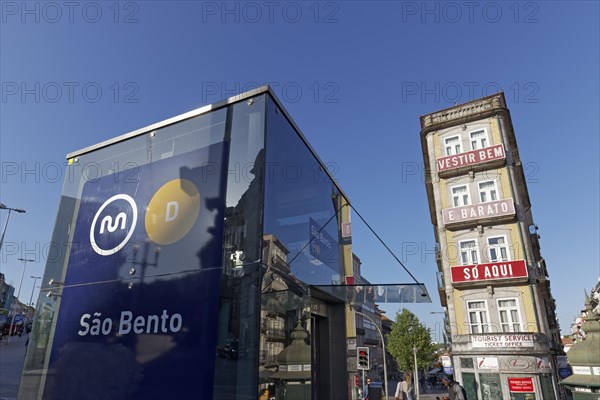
{"x": 467, "y": 111}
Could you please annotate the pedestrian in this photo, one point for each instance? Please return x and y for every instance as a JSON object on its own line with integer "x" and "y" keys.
{"x": 366, "y": 390}
{"x": 455, "y": 391}
{"x": 405, "y": 389}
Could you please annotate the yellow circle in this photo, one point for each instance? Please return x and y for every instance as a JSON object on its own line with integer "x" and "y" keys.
{"x": 172, "y": 211}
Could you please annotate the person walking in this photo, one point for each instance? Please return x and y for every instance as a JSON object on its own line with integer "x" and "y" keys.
{"x": 455, "y": 391}
{"x": 405, "y": 389}
{"x": 366, "y": 390}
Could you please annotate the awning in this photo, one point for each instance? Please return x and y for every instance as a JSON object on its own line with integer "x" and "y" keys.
{"x": 434, "y": 371}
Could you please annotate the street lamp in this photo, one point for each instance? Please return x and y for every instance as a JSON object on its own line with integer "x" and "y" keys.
{"x": 3, "y": 207}
{"x": 12, "y": 321}
{"x": 385, "y": 382}
{"x": 35, "y": 278}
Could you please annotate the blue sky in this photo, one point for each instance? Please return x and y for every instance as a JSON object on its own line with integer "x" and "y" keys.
{"x": 355, "y": 76}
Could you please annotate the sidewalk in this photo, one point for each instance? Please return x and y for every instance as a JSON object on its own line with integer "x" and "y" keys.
{"x": 423, "y": 396}
{"x": 12, "y": 358}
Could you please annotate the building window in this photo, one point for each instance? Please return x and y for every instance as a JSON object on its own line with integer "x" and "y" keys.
{"x": 491, "y": 388}
{"x": 466, "y": 362}
{"x": 488, "y": 191}
{"x": 460, "y": 196}
{"x": 469, "y": 252}
{"x": 479, "y": 139}
{"x": 478, "y": 320}
{"x": 452, "y": 145}
{"x": 497, "y": 250}
{"x": 509, "y": 315}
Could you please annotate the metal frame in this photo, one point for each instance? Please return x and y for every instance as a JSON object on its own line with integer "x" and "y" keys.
{"x": 204, "y": 110}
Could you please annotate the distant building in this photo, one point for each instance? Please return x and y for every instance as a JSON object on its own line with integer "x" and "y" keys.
{"x": 584, "y": 355}
{"x": 492, "y": 278}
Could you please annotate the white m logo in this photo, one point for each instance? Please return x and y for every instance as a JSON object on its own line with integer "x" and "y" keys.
{"x": 107, "y": 223}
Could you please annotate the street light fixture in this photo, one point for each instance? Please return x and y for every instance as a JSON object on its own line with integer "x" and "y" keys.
{"x": 12, "y": 321}
{"x": 4, "y": 207}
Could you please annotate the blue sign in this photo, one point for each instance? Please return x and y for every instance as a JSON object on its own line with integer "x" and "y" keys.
{"x": 449, "y": 370}
{"x": 139, "y": 307}
{"x": 19, "y": 318}
{"x": 323, "y": 247}
{"x": 564, "y": 372}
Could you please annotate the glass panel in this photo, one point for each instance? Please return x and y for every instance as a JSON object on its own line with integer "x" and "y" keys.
{"x": 493, "y": 255}
{"x": 478, "y": 139}
{"x": 239, "y": 305}
{"x": 547, "y": 387}
{"x": 476, "y": 304}
{"x": 285, "y": 332}
{"x": 515, "y": 320}
{"x": 301, "y": 246}
{"x": 466, "y": 362}
{"x": 507, "y": 303}
{"x": 470, "y": 385}
{"x": 452, "y": 145}
{"x": 135, "y": 300}
{"x": 491, "y": 389}
{"x": 299, "y": 211}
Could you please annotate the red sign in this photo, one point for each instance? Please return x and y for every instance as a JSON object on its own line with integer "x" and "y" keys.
{"x": 491, "y": 271}
{"x": 472, "y": 157}
{"x": 521, "y": 385}
{"x": 474, "y": 212}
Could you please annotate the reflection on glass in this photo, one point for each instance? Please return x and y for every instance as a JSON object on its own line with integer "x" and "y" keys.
{"x": 491, "y": 389}
{"x": 239, "y": 307}
{"x": 300, "y": 204}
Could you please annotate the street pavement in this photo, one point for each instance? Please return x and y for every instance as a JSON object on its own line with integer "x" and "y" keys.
{"x": 423, "y": 396}
{"x": 12, "y": 358}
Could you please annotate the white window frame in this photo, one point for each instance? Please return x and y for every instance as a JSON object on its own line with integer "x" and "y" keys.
{"x": 483, "y": 327}
{"x": 487, "y": 191}
{"x": 497, "y": 248}
{"x": 469, "y": 202}
{"x": 470, "y": 261}
{"x": 511, "y": 324}
{"x": 452, "y": 148}
{"x": 486, "y": 137}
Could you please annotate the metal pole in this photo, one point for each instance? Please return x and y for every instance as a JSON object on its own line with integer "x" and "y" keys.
{"x": 4, "y": 230}
{"x": 416, "y": 377}
{"x": 385, "y": 382}
{"x": 12, "y": 321}
{"x": 35, "y": 278}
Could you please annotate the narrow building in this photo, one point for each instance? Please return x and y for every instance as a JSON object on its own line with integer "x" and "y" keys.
{"x": 493, "y": 280}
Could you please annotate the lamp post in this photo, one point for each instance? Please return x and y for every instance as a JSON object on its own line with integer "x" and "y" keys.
{"x": 416, "y": 377}
{"x": 3, "y": 207}
{"x": 35, "y": 278}
{"x": 385, "y": 382}
{"x": 12, "y": 321}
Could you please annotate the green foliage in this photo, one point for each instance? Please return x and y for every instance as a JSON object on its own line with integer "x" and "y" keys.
{"x": 406, "y": 332}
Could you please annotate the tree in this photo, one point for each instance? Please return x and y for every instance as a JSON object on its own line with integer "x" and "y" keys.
{"x": 406, "y": 332}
